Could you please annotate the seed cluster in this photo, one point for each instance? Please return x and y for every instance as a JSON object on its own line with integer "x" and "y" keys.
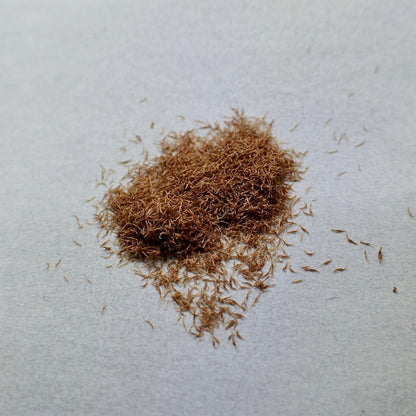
{"x": 203, "y": 220}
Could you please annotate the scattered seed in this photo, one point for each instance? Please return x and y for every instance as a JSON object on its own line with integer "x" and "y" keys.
{"x": 365, "y": 243}
{"x": 66, "y": 278}
{"x": 48, "y": 265}
{"x": 395, "y": 289}
{"x": 309, "y": 269}
{"x": 341, "y": 173}
{"x": 351, "y": 241}
{"x": 365, "y": 128}
{"x": 103, "y": 309}
{"x": 366, "y": 256}
{"x": 148, "y": 322}
{"x": 360, "y": 144}
{"x": 77, "y": 243}
{"x": 327, "y": 122}
{"x": 90, "y": 199}
{"x": 297, "y": 281}
{"x": 326, "y": 262}
{"x": 410, "y": 213}
{"x": 340, "y": 269}
{"x": 89, "y": 281}
{"x": 337, "y": 230}
{"x": 380, "y": 255}
{"x": 294, "y": 127}
{"x": 303, "y": 228}
{"x": 332, "y": 152}
{"x": 309, "y": 253}
{"x": 152, "y": 124}
{"x": 58, "y": 263}
{"x": 143, "y": 100}
{"x": 350, "y": 94}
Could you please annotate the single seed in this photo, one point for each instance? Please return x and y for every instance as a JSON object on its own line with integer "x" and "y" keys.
{"x": 326, "y": 262}
{"x": 310, "y": 269}
{"x": 332, "y": 152}
{"x": 148, "y": 322}
{"x": 103, "y": 309}
{"x": 327, "y": 122}
{"x": 294, "y": 127}
{"x": 380, "y": 255}
{"x": 337, "y": 230}
{"x": 143, "y": 100}
{"x": 395, "y": 289}
{"x": 351, "y": 241}
{"x": 297, "y": 281}
{"x": 360, "y": 144}
{"x": 48, "y": 265}
{"x": 342, "y": 173}
{"x": 350, "y": 94}
{"x": 89, "y": 281}
{"x": 366, "y": 256}
{"x": 152, "y": 124}
{"x": 58, "y": 263}
{"x": 77, "y": 243}
{"x": 90, "y": 199}
{"x": 410, "y": 213}
{"x": 365, "y": 128}
{"x": 66, "y": 278}
{"x": 365, "y": 243}
{"x": 340, "y": 269}
{"x": 309, "y": 253}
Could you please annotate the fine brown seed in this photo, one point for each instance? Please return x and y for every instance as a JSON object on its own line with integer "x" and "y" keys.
{"x": 332, "y": 152}
{"x": 66, "y": 278}
{"x": 337, "y": 230}
{"x": 366, "y": 256}
{"x": 309, "y": 253}
{"x": 90, "y": 199}
{"x": 326, "y": 262}
{"x": 360, "y": 144}
{"x": 365, "y": 243}
{"x": 327, "y": 122}
{"x": 58, "y": 263}
{"x": 216, "y": 195}
{"x": 89, "y": 281}
{"x": 294, "y": 127}
{"x": 103, "y": 309}
{"x": 148, "y": 322}
{"x": 297, "y": 281}
{"x": 109, "y": 266}
{"x": 342, "y": 173}
{"x": 310, "y": 269}
{"x": 303, "y": 228}
{"x": 340, "y": 269}
{"x": 380, "y": 255}
{"x": 77, "y": 243}
{"x": 395, "y": 289}
{"x": 80, "y": 226}
{"x": 410, "y": 213}
{"x": 351, "y": 241}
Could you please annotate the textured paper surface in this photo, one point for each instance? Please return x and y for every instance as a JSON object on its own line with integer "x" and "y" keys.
{"x": 72, "y": 77}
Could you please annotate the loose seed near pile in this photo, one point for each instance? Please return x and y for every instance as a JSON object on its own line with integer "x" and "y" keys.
{"x": 297, "y": 281}
{"x": 340, "y": 269}
{"x": 310, "y": 269}
{"x": 351, "y": 241}
{"x": 380, "y": 255}
{"x": 326, "y": 262}
{"x": 148, "y": 322}
{"x": 309, "y": 253}
{"x": 337, "y": 230}
{"x": 366, "y": 256}
{"x": 58, "y": 263}
{"x": 294, "y": 127}
{"x": 360, "y": 144}
{"x": 77, "y": 243}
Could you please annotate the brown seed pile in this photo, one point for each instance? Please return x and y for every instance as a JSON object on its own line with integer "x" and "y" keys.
{"x": 203, "y": 220}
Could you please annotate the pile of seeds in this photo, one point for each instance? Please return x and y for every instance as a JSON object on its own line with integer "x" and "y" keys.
{"x": 202, "y": 221}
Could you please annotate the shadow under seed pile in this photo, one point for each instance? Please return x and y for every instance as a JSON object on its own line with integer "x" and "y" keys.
{"x": 202, "y": 221}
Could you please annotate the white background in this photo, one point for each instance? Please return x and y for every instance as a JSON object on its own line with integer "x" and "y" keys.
{"x": 72, "y": 75}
